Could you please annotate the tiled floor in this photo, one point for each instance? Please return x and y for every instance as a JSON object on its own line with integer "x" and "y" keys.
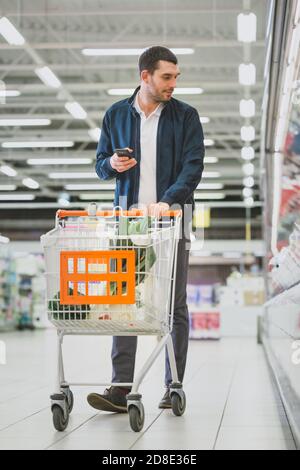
{"x": 232, "y": 402}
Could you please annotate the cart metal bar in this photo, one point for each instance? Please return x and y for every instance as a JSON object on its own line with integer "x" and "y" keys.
{"x": 100, "y": 384}
{"x": 172, "y": 360}
{"x": 61, "y": 214}
{"x": 145, "y": 369}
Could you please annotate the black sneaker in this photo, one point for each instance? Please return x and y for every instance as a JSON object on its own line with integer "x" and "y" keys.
{"x": 113, "y": 399}
{"x": 165, "y": 402}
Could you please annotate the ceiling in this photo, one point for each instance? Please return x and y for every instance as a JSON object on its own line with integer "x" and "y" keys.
{"x": 55, "y": 34}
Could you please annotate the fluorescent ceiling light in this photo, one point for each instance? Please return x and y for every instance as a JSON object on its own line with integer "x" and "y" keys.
{"x": 200, "y": 196}
{"x": 211, "y": 174}
{"x": 211, "y": 160}
{"x": 46, "y": 75}
{"x": 188, "y": 91}
{"x": 247, "y": 192}
{"x": 17, "y": 197}
{"x": 4, "y": 239}
{"x": 59, "y": 161}
{"x": 249, "y": 201}
{"x": 249, "y": 182}
{"x": 177, "y": 91}
{"x": 210, "y": 186}
{"x": 182, "y": 50}
{"x": 120, "y": 91}
{"x": 248, "y": 153}
{"x": 30, "y": 183}
{"x": 204, "y": 120}
{"x": 97, "y": 196}
{"x": 209, "y": 142}
{"x": 111, "y": 52}
{"x": 95, "y": 133}
{"x": 8, "y": 171}
{"x": 76, "y": 110}
{"x": 36, "y": 144}
{"x": 248, "y": 169}
{"x": 247, "y": 108}
{"x": 8, "y": 187}
{"x": 247, "y": 25}
{"x": 25, "y": 122}
{"x": 9, "y": 93}
{"x": 93, "y": 52}
{"x": 89, "y": 187}
{"x": 10, "y": 33}
{"x": 75, "y": 176}
{"x": 248, "y": 133}
{"x": 247, "y": 74}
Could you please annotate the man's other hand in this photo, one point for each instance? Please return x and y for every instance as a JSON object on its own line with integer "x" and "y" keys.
{"x": 158, "y": 209}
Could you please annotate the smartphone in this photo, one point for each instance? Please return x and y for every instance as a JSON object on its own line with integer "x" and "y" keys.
{"x": 123, "y": 153}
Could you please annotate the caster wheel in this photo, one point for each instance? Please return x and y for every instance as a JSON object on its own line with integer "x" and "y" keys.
{"x": 70, "y": 401}
{"x": 178, "y": 404}
{"x": 69, "y": 397}
{"x": 59, "y": 421}
{"x": 136, "y": 418}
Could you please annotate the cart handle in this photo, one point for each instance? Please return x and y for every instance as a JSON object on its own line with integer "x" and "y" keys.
{"x": 61, "y": 213}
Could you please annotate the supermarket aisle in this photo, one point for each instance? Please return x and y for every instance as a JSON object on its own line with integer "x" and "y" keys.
{"x": 232, "y": 401}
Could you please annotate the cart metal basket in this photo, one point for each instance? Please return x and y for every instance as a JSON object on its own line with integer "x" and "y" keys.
{"x": 112, "y": 273}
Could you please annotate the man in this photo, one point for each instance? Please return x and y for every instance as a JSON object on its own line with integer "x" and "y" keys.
{"x": 165, "y": 138}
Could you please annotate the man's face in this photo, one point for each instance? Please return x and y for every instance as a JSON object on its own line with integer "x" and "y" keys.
{"x": 162, "y": 83}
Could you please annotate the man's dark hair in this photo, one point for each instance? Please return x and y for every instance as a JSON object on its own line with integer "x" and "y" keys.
{"x": 150, "y": 58}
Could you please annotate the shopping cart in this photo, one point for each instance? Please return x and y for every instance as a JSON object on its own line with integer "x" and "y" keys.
{"x": 112, "y": 273}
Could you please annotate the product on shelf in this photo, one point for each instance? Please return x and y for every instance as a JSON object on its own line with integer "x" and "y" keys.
{"x": 8, "y": 315}
{"x": 243, "y": 290}
{"x": 204, "y": 315}
{"x": 31, "y": 307}
{"x": 286, "y": 265}
{"x": 205, "y": 324}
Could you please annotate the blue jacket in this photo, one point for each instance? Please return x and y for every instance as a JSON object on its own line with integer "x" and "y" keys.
{"x": 180, "y": 151}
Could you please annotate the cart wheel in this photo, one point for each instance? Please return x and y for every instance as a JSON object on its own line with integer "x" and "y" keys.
{"x": 70, "y": 401}
{"x": 59, "y": 421}
{"x": 178, "y": 404}
{"x": 68, "y": 396}
{"x": 136, "y": 417}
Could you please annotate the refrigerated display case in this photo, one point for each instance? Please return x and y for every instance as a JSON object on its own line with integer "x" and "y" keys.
{"x": 280, "y": 326}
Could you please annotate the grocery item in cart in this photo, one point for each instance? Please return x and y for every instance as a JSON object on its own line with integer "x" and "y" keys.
{"x": 67, "y": 312}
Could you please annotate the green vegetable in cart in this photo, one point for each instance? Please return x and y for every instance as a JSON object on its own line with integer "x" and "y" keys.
{"x": 67, "y": 312}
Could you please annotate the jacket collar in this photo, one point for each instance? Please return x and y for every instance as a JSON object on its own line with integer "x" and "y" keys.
{"x": 131, "y": 100}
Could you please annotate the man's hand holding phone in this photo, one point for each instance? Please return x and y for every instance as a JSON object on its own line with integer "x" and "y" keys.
{"x": 122, "y": 160}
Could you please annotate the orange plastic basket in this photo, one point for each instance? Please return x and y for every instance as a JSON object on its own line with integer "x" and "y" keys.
{"x": 111, "y": 272}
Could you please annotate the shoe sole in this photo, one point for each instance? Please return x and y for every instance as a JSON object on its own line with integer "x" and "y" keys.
{"x": 100, "y": 403}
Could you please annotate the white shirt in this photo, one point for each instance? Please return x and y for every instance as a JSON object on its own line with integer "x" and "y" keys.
{"x": 148, "y": 138}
